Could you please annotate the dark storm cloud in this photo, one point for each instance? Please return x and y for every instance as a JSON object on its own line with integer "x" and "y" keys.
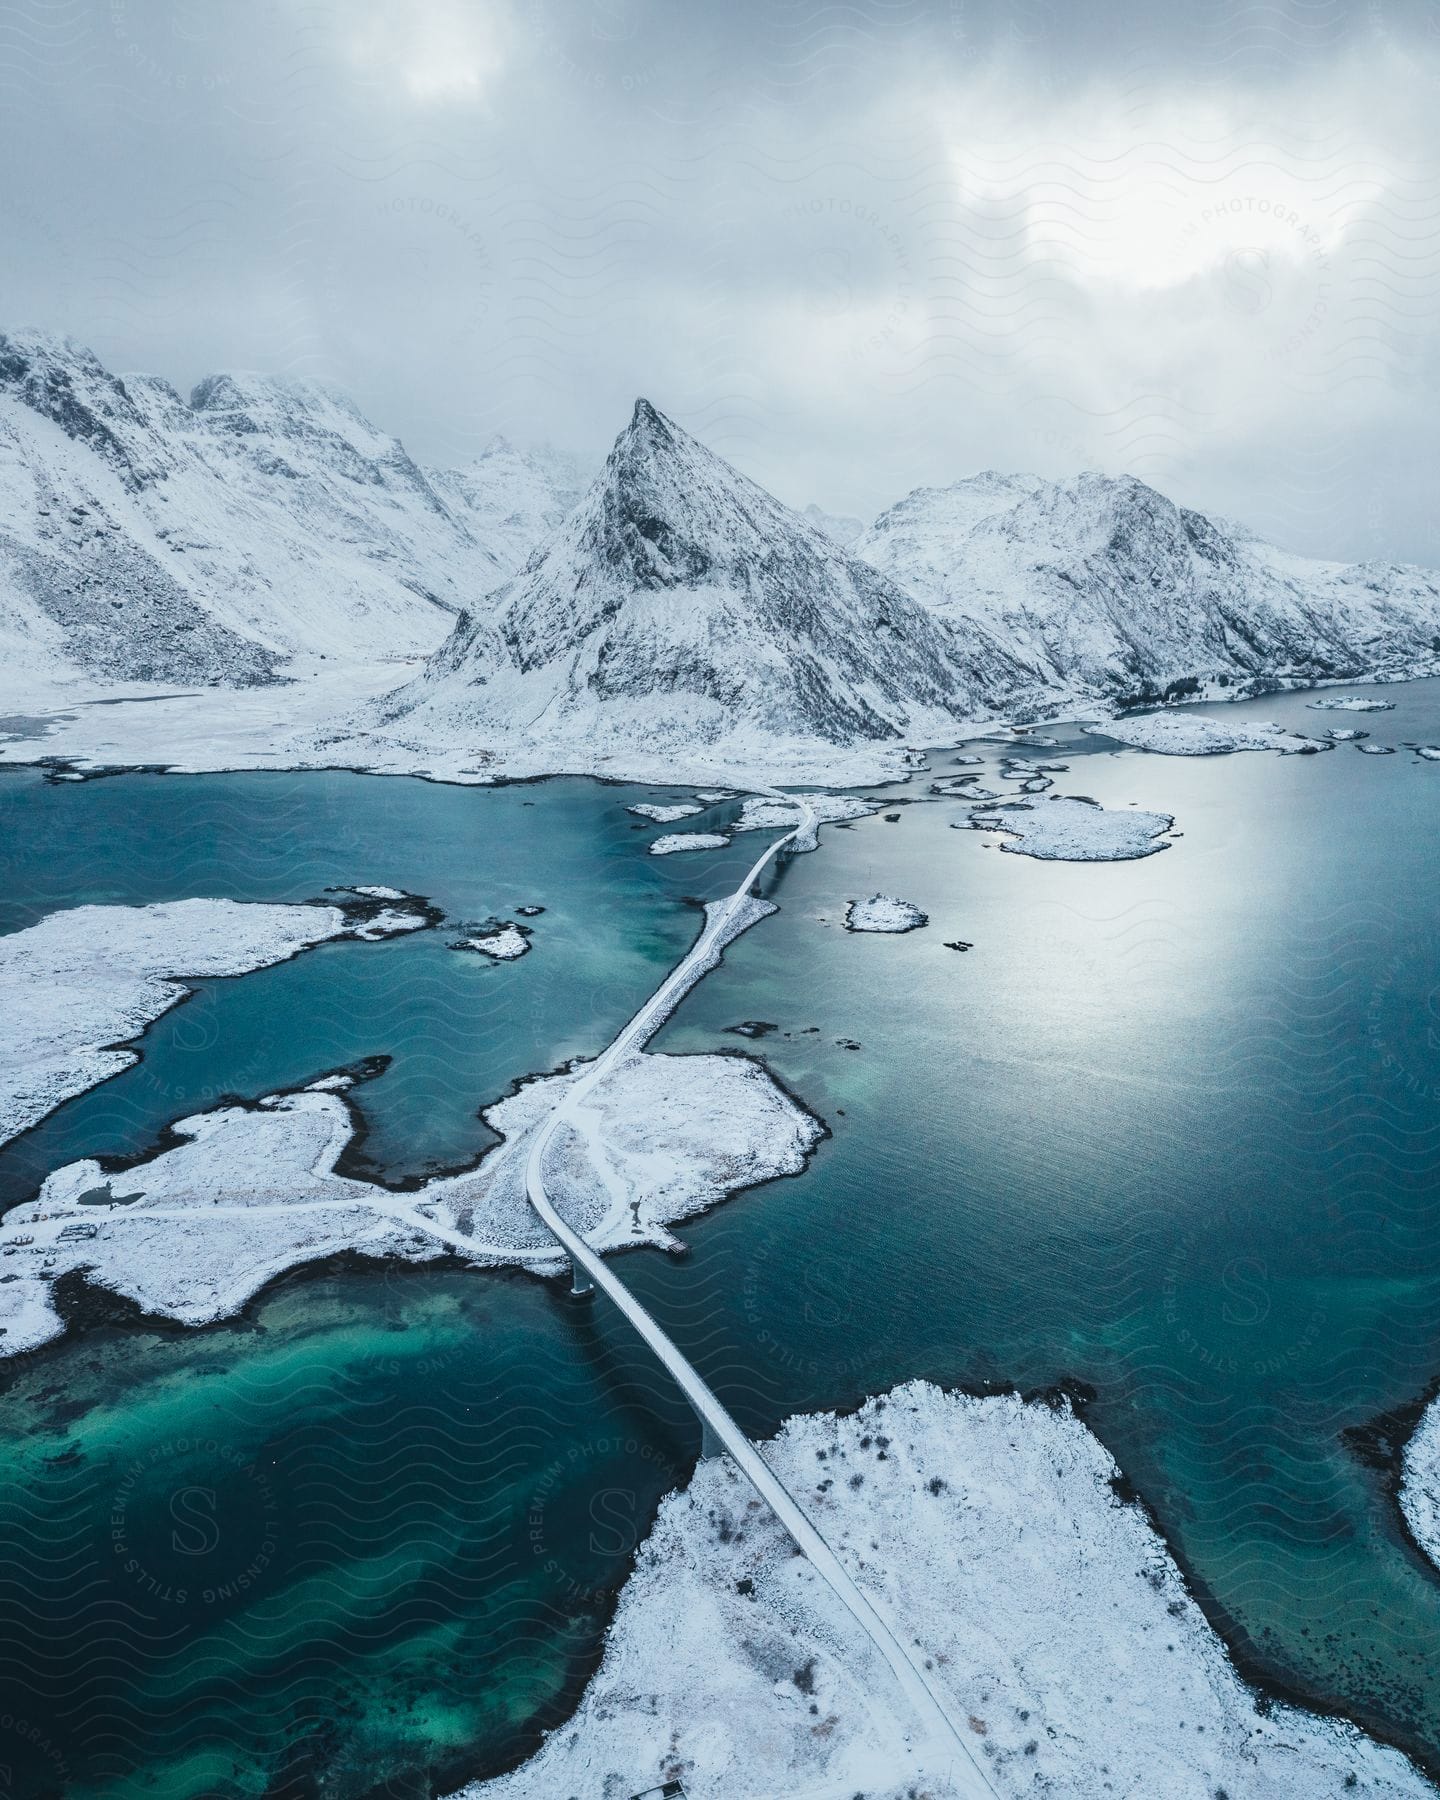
{"x": 854, "y": 248}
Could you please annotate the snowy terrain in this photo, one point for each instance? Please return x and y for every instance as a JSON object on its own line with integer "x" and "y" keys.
{"x": 768, "y": 813}
{"x": 1102, "y": 586}
{"x": 682, "y": 611}
{"x": 1190, "y": 734}
{"x": 506, "y": 943}
{"x": 675, "y": 841}
{"x": 883, "y": 912}
{"x": 262, "y": 525}
{"x": 1420, "y": 1483}
{"x": 1352, "y": 703}
{"x": 1060, "y": 829}
{"x": 82, "y": 981}
{"x": 666, "y": 815}
{"x": 194, "y": 1231}
{"x": 840, "y": 528}
{"x": 1061, "y": 1632}
{"x": 672, "y": 622}
{"x": 512, "y": 499}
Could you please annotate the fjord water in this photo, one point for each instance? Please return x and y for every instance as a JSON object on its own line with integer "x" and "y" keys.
{"x": 1169, "y": 1131}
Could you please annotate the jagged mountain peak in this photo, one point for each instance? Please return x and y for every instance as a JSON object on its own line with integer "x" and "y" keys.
{"x": 245, "y": 403}
{"x": 63, "y": 381}
{"x": 840, "y": 528}
{"x": 669, "y": 511}
{"x": 680, "y": 604}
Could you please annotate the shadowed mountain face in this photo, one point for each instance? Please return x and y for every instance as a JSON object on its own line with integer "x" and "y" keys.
{"x": 680, "y": 603}
{"x": 1101, "y": 584}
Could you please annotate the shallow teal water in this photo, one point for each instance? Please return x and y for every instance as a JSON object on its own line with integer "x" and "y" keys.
{"x": 1169, "y": 1130}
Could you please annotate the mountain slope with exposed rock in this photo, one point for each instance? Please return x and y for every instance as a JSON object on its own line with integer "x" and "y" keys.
{"x": 262, "y": 526}
{"x": 681, "y": 607}
{"x": 1101, "y": 585}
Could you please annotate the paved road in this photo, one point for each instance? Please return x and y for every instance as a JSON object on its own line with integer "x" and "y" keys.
{"x": 936, "y": 1744}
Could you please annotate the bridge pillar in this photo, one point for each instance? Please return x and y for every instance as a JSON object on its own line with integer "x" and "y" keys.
{"x": 710, "y": 1445}
{"x": 580, "y": 1282}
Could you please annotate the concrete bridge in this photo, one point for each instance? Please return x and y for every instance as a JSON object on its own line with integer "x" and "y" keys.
{"x": 935, "y": 1745}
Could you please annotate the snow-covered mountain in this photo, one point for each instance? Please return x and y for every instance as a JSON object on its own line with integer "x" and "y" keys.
{"x": 1101, "y": 584}
{"x": 681, "y": 606}
{"x": 513, "y": 499}
{"x": 261, "y": 525}
{"x": 839, "y": 527}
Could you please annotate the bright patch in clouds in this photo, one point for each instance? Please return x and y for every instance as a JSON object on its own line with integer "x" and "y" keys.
{"x": 438, "y": 52}
{"x": 1164, "y": 201}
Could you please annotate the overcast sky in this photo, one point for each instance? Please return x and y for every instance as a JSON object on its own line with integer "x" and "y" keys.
{"x": 855, "y": 247}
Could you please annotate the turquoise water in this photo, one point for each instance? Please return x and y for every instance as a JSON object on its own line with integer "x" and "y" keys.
{"x": 1170, "y": 1131}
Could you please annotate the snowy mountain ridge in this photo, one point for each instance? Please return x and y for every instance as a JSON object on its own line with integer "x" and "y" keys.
{"x": 680, "y": 605}
{"x": 265, "y": 530}
{"x": 1104, "y": 587}
{"x": 258, "y": 527}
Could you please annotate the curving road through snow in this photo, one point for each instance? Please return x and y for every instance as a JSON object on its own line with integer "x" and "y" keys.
{"x": 935, "y": 1746}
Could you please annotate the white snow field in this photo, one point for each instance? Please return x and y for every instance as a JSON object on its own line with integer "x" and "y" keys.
{"x": 1191, "y": 734}
{"x": 1054, "y": 1618}
{"x": 666, "y": 815}
{"x": 1352, "y": 703}
{"x": 81, "y": 981}
{"x": 1420, "y": 1482}
{"x": 508, "y": 944}
{"x": 883, "y": 912}
{"x": 1061, "y": 829}
{"x": 252, "y": 1191}
{"x": 675, "y": 841}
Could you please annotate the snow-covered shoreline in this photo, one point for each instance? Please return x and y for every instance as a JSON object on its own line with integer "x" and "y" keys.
{"x": 82, "y": 981}
{"x": 1419, "y": 1493}
{"x": 991, "y": 1529}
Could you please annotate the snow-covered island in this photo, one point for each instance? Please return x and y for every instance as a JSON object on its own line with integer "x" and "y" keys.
{"x": 1361, "y": 703}
{"x": 1058, "y": 1629}
{"x": 674, "y": 842}
{"x": 80, "y": 982}
{"x": 882, "y": 912}
{"x": 503, "y": 941}
{"x": 1193, "y": 734}
{"x": 1072, "y": 829}
{"x": 665, "y": 815}
{"x": 192, "y": 1231}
